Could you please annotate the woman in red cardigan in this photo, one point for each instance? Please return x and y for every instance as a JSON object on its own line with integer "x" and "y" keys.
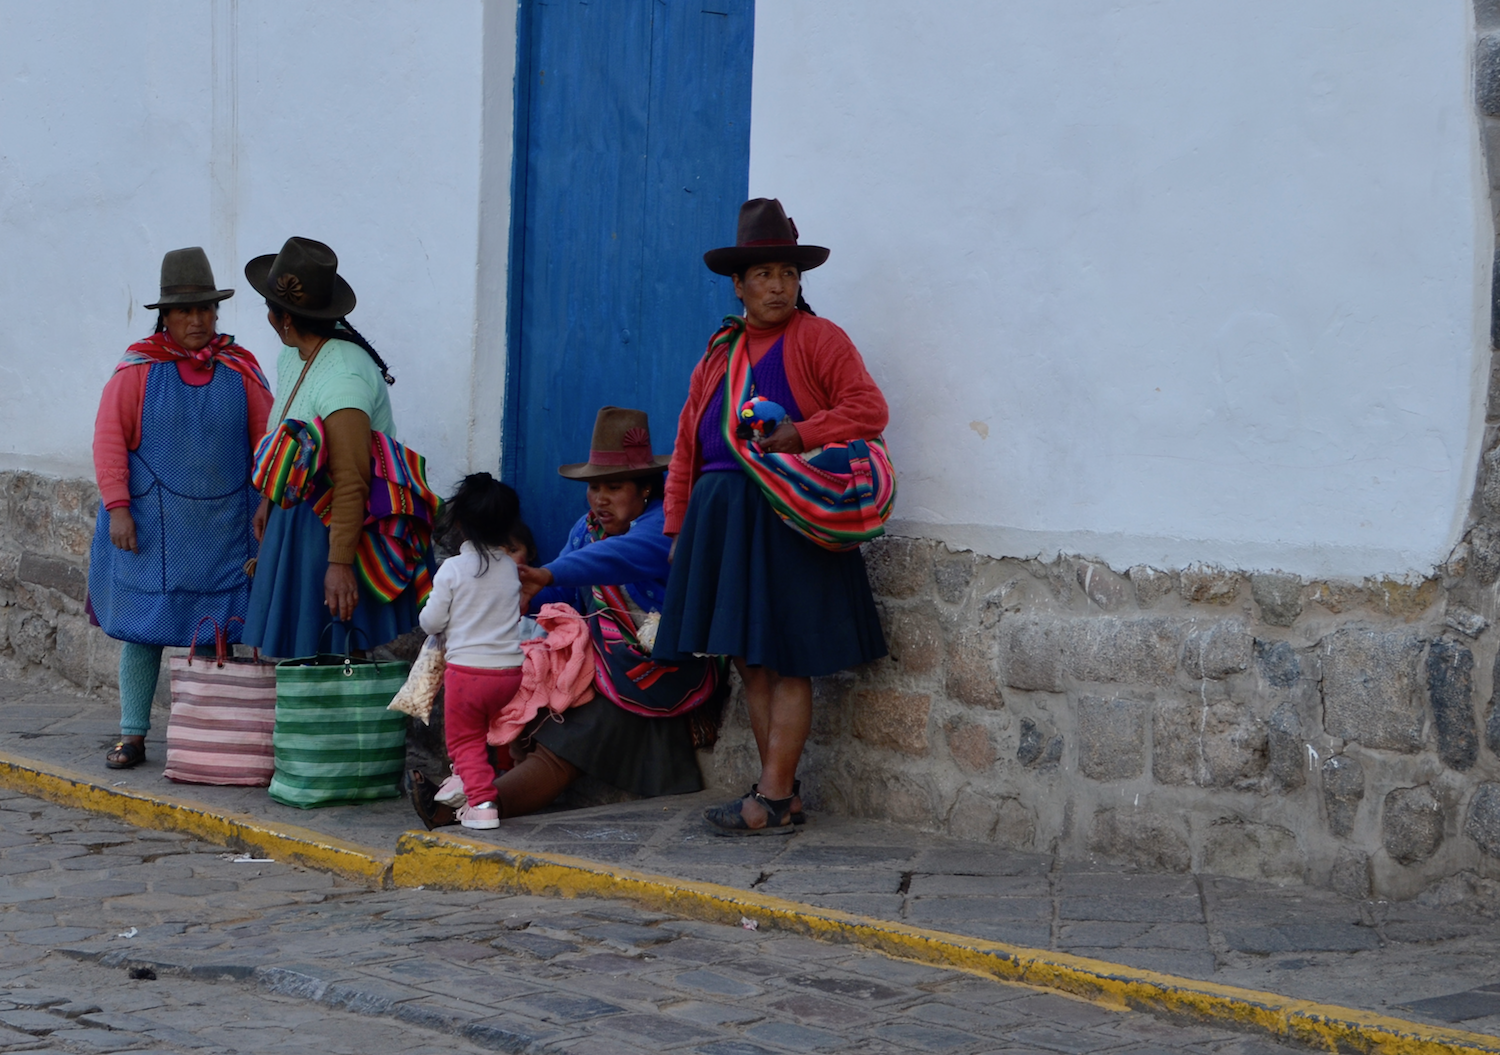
{"x": 743, "y": 583}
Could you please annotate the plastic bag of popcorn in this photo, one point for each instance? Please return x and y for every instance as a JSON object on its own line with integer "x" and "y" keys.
{"x": 422, "y": 684}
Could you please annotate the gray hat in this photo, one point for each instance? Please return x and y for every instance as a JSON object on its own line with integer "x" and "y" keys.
{"x": 186, "y": 278}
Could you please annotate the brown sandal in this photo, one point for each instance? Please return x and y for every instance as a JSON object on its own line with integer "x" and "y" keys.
{"x": 432, "y": 813}
{"x": 125, "y": 755}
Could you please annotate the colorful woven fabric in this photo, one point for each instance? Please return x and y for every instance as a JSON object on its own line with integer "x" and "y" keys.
{"x": 335, "y": 741}
{"x": 291, "y": 466}
{"x": 624, "y": 671}
{"x": 837, "y": 510}
{"x": 160, "y": 348}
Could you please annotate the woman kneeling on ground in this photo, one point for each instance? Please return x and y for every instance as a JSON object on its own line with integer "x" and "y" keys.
{"x": 638, "y": 732}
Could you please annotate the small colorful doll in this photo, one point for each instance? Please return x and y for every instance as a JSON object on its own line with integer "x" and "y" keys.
{"x": 759, "y": 417}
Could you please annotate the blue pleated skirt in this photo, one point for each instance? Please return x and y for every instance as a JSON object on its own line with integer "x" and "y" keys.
{"x": 287, "y": 615}
{"x": 744, "y": 584}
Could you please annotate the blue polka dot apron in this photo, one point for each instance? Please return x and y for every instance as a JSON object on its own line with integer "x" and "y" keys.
{"x": 192, "y": 503}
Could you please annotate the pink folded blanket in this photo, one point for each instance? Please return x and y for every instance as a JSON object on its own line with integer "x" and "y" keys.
{"x": 557, "y": 672}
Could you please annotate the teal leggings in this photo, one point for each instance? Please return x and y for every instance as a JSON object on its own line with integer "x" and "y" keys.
{"x": 139, "y": 665}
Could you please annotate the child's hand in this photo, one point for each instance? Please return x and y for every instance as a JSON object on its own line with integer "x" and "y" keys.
{"x": 533, "y": 582}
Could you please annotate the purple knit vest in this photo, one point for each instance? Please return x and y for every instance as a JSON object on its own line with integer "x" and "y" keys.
{"x": 769, "y": 379}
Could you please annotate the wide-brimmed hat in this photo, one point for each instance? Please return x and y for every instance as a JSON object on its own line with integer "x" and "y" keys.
{"x": 186, "y": 279}
{"x": 620, "y": 449}
{"x": 303, "y": 279}
{"x": 765, "y": 234}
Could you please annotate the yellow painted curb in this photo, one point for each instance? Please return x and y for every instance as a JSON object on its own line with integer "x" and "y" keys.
{"x": 239, "y": 831}
{"x": 447, "y": 862}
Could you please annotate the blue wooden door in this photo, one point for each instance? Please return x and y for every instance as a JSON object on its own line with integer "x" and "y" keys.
{"x": 633, "y": 150}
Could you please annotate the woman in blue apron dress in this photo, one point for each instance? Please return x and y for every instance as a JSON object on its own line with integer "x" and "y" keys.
{"x": 172, "y": 451}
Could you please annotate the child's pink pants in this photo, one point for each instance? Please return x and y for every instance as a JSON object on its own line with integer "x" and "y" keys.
{"x": 472, "y": 697}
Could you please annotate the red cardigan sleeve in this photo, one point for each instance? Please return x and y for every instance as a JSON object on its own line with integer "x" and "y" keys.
{"x": 683, "y": 470}
{"x": 117, "y": 432}
{"x": 831, "y": 371}
{"x": 258, "y": 402}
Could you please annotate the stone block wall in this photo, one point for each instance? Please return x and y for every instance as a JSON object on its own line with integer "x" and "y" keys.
{"x": 1250, "y": 725}
{"x": 46, "y": 525}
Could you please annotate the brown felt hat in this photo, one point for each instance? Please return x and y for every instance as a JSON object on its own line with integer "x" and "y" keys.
{"x": 766, "y": 234}
{"x": 187, "y": 279}
{"x": 303, "y": 279}
{"x": 620, "y": 449}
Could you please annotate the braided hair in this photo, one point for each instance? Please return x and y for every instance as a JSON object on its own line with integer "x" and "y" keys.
{"x": 336, "y": 329}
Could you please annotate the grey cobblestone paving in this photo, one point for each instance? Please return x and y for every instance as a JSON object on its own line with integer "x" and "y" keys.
{"x": 1423, "y": 963}
{"x": 262, "y": 957}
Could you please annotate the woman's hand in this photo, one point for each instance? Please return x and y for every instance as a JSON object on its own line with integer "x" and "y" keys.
{"x": 258, "y": 522}
{"x": 785, "y": 440}
{"x": 533, "y": 582}
{"x": 340, "y": 591}
{"x": 122, "y": 528}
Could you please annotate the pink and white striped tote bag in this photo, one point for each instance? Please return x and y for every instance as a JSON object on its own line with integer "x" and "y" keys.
{"x": 223, "y": 715}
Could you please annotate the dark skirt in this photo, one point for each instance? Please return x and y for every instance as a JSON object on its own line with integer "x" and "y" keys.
{"x": 645, "y": 756}
{"x": 287, "y": 615}
{"x": 744, "y": 584}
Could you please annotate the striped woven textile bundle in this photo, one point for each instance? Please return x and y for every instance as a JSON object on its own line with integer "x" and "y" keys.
{"x": 221, "y": 723}
{"x": 335, "y": 741}
{"x": 837, "y": 510}
{"x": 291, "y": 466}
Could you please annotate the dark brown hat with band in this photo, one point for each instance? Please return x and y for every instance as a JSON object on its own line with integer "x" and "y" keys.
{"x": 620, "y": 449}
{"x": 303, "y": 279}
{"x": 766, "y": 234}
{"x": 187, "y": 279}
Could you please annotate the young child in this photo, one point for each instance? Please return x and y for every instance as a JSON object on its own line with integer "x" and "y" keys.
{"x": 476, "y": 603}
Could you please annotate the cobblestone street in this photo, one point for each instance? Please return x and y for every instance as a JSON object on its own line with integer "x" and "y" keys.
{"x": 252, "y": 955}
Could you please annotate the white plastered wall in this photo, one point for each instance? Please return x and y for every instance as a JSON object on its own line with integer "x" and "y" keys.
{"x": 1157, "y": 282}
{"x": 130, "y": 129}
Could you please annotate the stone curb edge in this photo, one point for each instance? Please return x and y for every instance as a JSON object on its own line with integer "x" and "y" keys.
{"x": 453, "y": 863}
{"x": 238, "y": 831}
{"x": 442, "y": 861}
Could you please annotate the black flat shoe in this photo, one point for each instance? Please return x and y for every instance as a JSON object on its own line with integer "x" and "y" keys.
{"x": 125, "y": 755}
{"x": 798, "y": 816}
{"x": 729, "y": 819}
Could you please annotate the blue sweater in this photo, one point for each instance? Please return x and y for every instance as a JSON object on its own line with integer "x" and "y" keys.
{"x": 636, "y": 560}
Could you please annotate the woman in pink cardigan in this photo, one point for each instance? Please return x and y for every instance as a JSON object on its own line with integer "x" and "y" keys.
{"x": 743, "y": 583}
{"x": 177, "y": 426}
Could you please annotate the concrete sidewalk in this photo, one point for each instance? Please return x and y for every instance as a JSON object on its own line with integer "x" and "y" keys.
{"x": 1421, "y": 977}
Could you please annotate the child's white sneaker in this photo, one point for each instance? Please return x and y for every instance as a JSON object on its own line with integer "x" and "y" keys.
{"x": 485, "y": 815}
{"x": 451, "y": 792}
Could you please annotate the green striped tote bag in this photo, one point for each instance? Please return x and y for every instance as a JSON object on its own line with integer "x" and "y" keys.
{"x": 335, "y": 741}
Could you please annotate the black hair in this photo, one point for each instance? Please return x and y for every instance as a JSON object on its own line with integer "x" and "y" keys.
{"x": 335, "y": 329}
{"x": 655, "y": 483}
{"x": 802, "y": 304}
{"x": 483, "y": 511}
{"x": 522, "y": 538}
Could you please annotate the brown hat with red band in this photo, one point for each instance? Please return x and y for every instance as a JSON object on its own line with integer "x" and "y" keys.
{"x": 620, "y": 449}
{"x": 766, "y": 234}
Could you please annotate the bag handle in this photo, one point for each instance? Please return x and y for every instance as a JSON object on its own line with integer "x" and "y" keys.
{"x": 349, "y": 631}
{"x": 241, "y": 621}
{"x": 221, "y": 641}
{"x": 287, "y": 406}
